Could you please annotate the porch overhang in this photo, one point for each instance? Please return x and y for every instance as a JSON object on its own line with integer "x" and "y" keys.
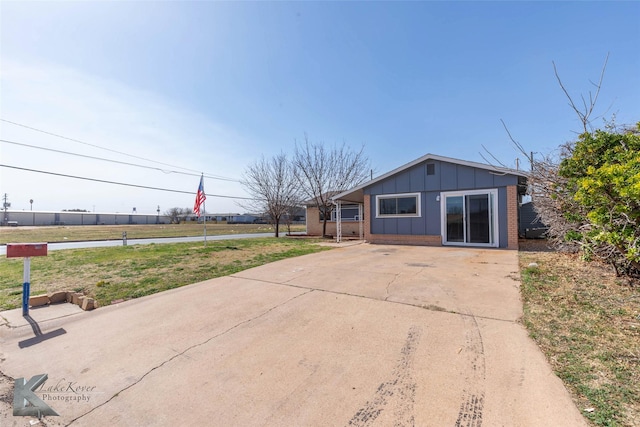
{"x": 352, "y": 196}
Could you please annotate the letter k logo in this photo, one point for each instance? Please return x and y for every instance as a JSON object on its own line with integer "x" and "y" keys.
{"x": 23, "y": 396}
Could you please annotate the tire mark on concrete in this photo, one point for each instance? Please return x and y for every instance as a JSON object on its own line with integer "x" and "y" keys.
{"x": 470, "y": 412}
{"x": 401, "y": 387}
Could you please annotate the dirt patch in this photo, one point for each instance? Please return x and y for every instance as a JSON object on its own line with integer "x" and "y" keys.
{"x": 534, "y": 245}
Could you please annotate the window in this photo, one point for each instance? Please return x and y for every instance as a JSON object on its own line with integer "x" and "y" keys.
{"x": 431, "y": 168}
{"x": 393, "y": 205}
{"x": 321, "y": 215}
{"x": 349, "y": 213}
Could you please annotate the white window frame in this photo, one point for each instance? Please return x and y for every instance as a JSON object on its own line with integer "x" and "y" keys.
{"x": 350, "y": 206}
{"x": 397, "y": 196}
{"x": 495, "y": 207}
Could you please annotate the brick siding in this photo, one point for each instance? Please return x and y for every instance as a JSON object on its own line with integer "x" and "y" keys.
{"x": 350, "y": 229}
{"x": 512, "y": 217}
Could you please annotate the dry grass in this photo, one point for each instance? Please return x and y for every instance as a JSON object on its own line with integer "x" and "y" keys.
{"x": 587, "y": 322}
{"x": 114, "y": 232}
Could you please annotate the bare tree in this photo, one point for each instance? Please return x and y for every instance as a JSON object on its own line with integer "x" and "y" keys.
{"x": 176, "y": 215}
{"x": 290, "y": 215}
{"x": 584, "y": 113}
{"x": 551, "y": 193}
{"x": 323, "y": 172}
{"x": 552, "y": 198}
{"x": 273, "y": 187}
{"x": 186, "y": 212}
{"x": 553, "y": 190}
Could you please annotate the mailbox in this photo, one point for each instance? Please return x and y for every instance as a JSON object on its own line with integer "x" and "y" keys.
{"x": 26, "y": 251}
{"x": 23, "y": 250}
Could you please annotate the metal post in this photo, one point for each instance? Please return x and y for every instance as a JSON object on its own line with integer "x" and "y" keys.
{"x": 338, "y": 221}
{"x": 204, "y": 222}
{"x": 124, "y": 238}
{"x": 26, "y": 286}
{"x": 360, "y": 221}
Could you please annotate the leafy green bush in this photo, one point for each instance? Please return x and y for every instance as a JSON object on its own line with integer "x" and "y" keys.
{"x": 603, "y": 176}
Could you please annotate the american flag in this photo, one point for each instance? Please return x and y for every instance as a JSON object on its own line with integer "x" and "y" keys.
{"x": 200, "y": 197}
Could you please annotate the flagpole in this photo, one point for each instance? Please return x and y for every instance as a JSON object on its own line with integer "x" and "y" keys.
{"x": 204, "y": 208}
{"x": 200, "y": 198}
{"x": 204, "y": 221}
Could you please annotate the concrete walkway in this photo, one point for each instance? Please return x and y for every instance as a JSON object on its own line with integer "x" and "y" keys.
{"x": 365, "y": 335}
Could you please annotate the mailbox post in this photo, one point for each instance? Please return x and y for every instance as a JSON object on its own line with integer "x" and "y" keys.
{"x": 26, "y": 251}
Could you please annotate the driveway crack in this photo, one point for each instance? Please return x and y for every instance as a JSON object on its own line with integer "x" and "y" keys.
{"x": 389, "y": 284}
{"x": 183, "y": 352}
{"x": 350, "y": 294}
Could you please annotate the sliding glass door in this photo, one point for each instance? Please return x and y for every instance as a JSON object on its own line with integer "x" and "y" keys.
{"x": 470, "y": 218}
{"x": 455, "y": 219}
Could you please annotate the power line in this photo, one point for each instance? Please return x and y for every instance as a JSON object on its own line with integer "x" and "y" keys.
{"x": 121, "y": 183}
{"x": 113, "y": 161}
{"x": 109, "y": 149}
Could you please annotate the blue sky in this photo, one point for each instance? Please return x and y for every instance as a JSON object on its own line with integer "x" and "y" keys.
{"x": 212, "y": 86}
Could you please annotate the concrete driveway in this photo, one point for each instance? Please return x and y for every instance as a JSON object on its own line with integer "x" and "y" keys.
{"x": 365, "y": 335}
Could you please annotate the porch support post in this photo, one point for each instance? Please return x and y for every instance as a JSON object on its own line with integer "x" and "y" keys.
{"x": 360, "y": 222}
{"x": 338, "y": 221}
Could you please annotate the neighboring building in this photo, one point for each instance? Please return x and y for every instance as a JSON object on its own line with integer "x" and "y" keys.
{"x": 21, "y": 218}
{"x": 437, "y": 200}
{"x": 244, "y": 219}
{"x": 247, "y": 218}
{"x": 210, "y": 217}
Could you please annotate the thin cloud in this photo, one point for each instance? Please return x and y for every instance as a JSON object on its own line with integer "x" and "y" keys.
{"x": 109, "y": 114}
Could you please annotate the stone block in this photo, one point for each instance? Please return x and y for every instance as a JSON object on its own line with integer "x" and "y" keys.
{"x": 56, "y": 297}
{"x": 88, "y": 303}
{"x": 76, "y": 298}
{"x": 38, "y": 300}
{"x": 70, "y": 297}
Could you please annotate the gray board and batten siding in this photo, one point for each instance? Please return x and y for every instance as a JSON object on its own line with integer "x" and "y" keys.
{"x": 445, "y": 176}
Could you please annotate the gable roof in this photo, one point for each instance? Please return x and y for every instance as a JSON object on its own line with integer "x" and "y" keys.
{"x": 356, "y": 191}
{"x": 327, "y": 195}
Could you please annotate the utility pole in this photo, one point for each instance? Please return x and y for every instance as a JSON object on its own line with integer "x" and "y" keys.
{"x": 531, "y": 161}
{"x": 5, "y": 205}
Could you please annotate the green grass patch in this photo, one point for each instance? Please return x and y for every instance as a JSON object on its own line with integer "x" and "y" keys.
{"x": 126, "y": 272}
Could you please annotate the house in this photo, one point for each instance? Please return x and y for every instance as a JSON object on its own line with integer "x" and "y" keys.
{"x": 350, "y": 214}
{"x": 436, "y": 200}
